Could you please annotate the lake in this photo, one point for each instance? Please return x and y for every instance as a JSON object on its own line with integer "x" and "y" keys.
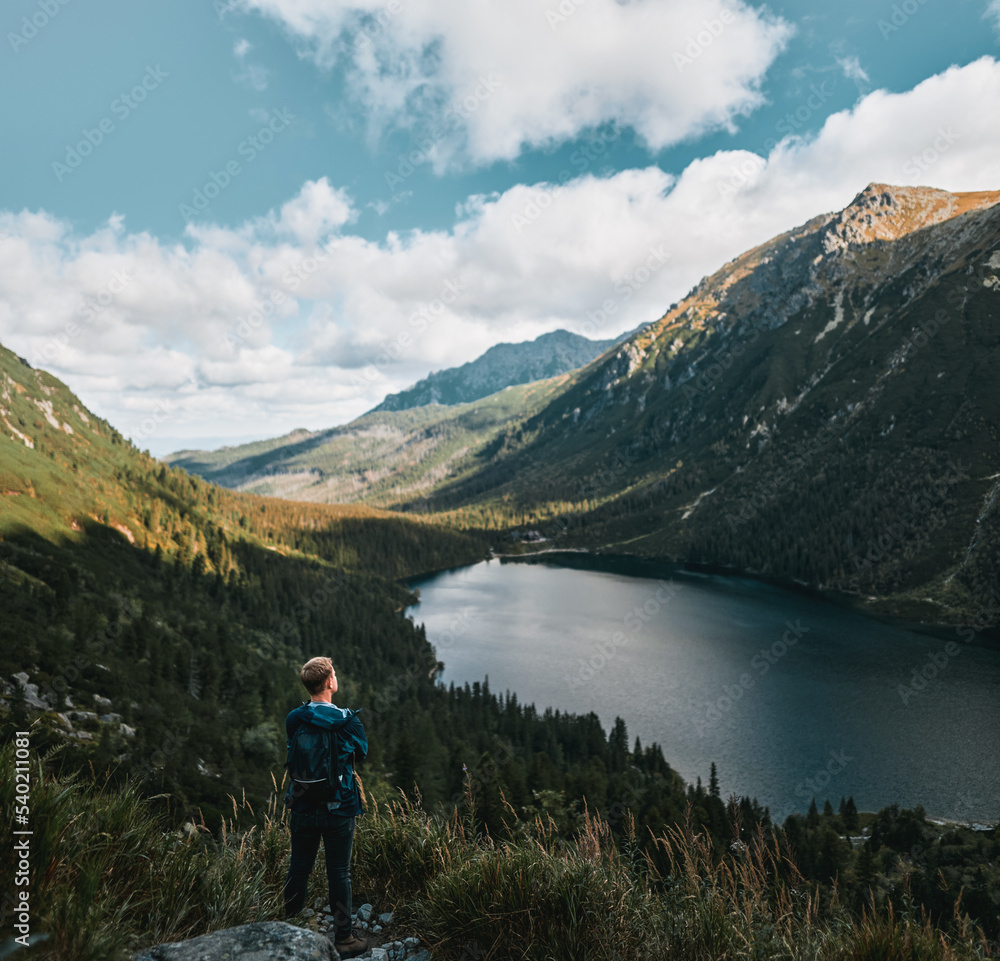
{"x": 790, "y": 695}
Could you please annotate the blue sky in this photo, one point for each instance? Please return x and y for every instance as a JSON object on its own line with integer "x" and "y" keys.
{"x": 224, "y": 220}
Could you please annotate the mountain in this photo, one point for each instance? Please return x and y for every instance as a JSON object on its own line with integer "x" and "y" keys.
{"x": 381, "y": 458}
{"x": 505, "y": 365}
{"x": 824, "y": 409}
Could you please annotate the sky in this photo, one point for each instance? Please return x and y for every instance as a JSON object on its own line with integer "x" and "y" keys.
{"x": 222, "y": 220}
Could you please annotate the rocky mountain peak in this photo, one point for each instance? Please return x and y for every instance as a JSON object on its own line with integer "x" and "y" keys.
{"x": 882, "y": 212}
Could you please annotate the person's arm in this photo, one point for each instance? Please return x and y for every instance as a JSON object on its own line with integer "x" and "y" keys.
{"x": 360, "y": 739}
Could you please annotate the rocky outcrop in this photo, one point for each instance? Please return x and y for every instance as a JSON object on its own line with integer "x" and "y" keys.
{"x": 278, "y": 941}
{"x": 264, "y": 941}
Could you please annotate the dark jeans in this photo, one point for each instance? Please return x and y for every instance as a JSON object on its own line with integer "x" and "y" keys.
{"x": 337, "y": 833}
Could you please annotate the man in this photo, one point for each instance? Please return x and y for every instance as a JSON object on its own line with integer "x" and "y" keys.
{"x": 331, "y": 820}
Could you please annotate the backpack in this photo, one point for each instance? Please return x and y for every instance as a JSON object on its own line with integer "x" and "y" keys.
{"x": 312, "y": 763}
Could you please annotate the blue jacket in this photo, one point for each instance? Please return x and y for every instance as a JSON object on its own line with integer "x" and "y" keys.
{"x": 353, "y": 743}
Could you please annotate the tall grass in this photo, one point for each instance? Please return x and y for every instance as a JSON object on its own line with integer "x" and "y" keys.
{"x": 108, "y": 878}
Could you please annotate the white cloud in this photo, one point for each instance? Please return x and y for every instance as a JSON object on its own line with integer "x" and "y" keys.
{"x": 993, "y": 13}
{"x": 853, "y": 70}
{"x": 486, "y": 80}
{"x": 252, "y": 75}
{"x": 291, "y": 320}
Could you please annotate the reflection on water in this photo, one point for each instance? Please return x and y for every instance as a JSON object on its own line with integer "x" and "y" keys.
{"x": 790, "y": 696}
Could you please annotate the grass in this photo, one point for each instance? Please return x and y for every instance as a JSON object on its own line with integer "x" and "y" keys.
{"x": 109, "y": 878}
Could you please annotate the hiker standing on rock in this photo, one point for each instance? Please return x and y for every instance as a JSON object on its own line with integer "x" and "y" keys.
{"x": 324, "y": 741}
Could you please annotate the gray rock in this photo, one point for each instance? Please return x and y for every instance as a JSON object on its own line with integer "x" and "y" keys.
{"x": 378, "y": 954}
{"x": 411, "y": 944}
{"x": 422, "y": 955}
{"x": 31, "y": 696}
{"x": 396, "y": 950}
{"x": 102, "y": 702}
{"x": 110, "y": 718}
{"x": 365, "y": 912}
{"x": 385, "y": 918}
{"x": 263, "y": 941}
{"x": 82, "y": 716}
{"x": 377, "y": 929}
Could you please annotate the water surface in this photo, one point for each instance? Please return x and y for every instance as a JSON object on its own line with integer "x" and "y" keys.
{"x": 789, "y": 695}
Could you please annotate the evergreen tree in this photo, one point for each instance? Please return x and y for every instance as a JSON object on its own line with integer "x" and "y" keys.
{"x": 850, "y": 815}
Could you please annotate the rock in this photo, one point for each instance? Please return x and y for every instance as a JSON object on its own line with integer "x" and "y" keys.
{"x": 263, "y": 941}
{"x": 385, "y": 918}
{"x": 309, "y": 913}
{"x": 378, "y": 954}
{"x": 365, "y": 912}
{"x": 110, "y": 718}
{"x": 31, "y": 696}
{"x": 102, "y": 702}
{"x": 411, "y": 944}
{"x": 377, "y": 929}
{"x": 422, "y": 955}
{"x": 128, "y": 731}
{"x": 82, "y": 716}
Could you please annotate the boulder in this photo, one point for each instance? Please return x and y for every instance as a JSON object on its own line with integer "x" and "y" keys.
{"x": 31, "y": 695}
{"x": 263, "y": 941}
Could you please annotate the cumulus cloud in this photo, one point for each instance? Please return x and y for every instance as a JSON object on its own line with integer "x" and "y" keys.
{"x": 291, "y": 320}
{"x": 486, "y": 80}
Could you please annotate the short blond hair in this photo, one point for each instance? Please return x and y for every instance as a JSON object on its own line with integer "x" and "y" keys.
{"x": 315, "y": 673}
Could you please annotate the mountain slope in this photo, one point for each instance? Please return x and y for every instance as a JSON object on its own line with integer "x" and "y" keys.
{"x": 824, "y": 408}
{"x": 381, "y": 458}
{"x": 504, "y": 365}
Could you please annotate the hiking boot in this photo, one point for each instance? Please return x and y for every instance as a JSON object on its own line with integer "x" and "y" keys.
{"x": 351, "y": 946}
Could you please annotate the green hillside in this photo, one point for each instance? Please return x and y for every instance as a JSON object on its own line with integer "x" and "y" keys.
{"x": 382, "y": 458}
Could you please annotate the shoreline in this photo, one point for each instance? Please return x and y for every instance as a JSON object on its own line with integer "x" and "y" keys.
{"x": 635, "y": 565}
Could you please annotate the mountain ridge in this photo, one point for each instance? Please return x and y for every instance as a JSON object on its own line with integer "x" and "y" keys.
{"x": 503, "y": 365}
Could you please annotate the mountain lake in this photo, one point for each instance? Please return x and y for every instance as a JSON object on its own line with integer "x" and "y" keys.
{"x": 790, "y": 695}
